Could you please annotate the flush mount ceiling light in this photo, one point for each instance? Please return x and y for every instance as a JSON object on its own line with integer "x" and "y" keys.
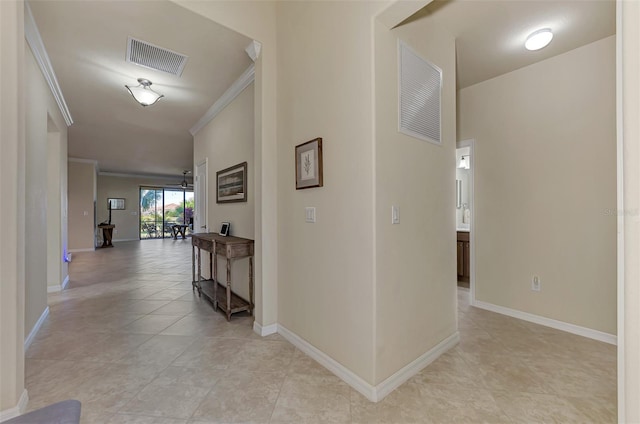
{"x": 538, "y": 39}
{"x": 143, "y": 93}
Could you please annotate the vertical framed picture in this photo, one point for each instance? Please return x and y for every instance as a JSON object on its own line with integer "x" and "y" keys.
{"x": 309, "y": 164}
{"x": 231, "y": 184}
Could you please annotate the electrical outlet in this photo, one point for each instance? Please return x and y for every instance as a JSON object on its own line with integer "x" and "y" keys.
{"x": 535, "y": 283}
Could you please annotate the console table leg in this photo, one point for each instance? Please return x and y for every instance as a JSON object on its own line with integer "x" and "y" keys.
{"x": 228, "y": 289}
{"x": 199, "y": 271}
{"x": 251, "y": 306}
{"x": 215, "y": 278}
{"x": 193, "y": 268}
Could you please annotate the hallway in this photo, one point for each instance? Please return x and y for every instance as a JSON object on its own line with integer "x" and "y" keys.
{"x": 132, "y": 342}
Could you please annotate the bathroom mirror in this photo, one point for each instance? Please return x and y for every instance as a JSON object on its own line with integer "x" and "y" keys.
{"x": 458, "y": 194}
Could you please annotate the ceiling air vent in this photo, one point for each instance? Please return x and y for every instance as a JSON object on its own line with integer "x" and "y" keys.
{"x": 420, "y": 92}
{"x": 154, "y": 57}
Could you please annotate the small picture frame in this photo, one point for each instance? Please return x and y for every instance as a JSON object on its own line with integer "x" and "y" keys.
{"x": 224, "y": 229}
{"x": 115, "y": 203}
{"x": 231, "y": 184}
{"x": 309, "y": 164}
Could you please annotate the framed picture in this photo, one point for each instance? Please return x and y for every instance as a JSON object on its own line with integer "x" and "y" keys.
{"x": 224, "y": 229}
{"x": 232, "y": 184}
{"x": 309, "y": 164}
{"x": 115, "y": 203}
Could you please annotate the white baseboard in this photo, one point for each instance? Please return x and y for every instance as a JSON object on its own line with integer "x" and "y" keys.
{"x": 7, "y": 414}
{"x": 65, "y": 282}
{"x": 89, "y": 249}
{"x": 548, "y": 322}
{"x": 58, "y": 287}
{"x": 129, "y": 239}
{"x": 408, "y": 371}
{"x": 35, "y": 329}
{"x": 266, "y": 330}
{"x": 373, "y": 393}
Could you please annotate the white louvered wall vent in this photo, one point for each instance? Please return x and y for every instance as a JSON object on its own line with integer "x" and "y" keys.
{"x": 154, "y": 57}
{"x": 420, "y": 91}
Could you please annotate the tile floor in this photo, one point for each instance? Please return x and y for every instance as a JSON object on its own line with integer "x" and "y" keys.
{"x": 132, "y": 342}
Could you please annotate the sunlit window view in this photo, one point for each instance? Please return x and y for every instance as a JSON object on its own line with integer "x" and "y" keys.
{"x": 161, "y": 209}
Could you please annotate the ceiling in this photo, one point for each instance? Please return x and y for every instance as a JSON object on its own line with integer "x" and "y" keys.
{"x": 490, "y": 34}
{"x": 87, "y": 42}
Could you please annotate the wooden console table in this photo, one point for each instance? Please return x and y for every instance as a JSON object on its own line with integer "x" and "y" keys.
{"x": 107, "y": 234}
{"x": 230, "y": 248}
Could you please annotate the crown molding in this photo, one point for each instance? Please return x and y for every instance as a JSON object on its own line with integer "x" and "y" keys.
{"x": 253, "y": 50}
{"x": 34, "y": 39}
{"x": 142, "y": 176}
{"x": 232, "y": 92}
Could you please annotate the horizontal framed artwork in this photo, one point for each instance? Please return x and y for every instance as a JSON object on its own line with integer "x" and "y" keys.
{"x": 309, "y": 164}
{"x": 231, "y": 184}
{"x": 115, "y": 203}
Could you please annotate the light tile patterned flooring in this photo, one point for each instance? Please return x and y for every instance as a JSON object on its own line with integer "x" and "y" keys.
{"x": 132, "y": 342}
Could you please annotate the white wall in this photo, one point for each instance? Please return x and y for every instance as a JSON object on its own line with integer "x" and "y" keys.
{"x": 82, "y": 177}
{"x": 416, "y": 259}
{"x": 226, "y": 141}
{"x": 545, "y": 178}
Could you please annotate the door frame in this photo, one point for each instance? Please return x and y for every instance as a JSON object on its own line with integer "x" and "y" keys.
{"x": 197, "y": 221}
{"x": 471, "y": 143}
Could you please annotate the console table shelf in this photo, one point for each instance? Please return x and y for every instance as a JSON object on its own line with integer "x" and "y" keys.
{"x": 237, "y": 303}
{"x": 220, "y": 294}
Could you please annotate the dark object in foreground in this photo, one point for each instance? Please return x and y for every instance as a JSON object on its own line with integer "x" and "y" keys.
{"x": 65, "y": 412}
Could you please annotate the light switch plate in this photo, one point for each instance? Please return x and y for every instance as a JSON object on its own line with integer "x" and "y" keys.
{"x": 395, "y": 214}
{"x": 310, "y": 214}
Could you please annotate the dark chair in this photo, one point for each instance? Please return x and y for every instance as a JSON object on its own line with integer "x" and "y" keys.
{"x": 65, "y": 412}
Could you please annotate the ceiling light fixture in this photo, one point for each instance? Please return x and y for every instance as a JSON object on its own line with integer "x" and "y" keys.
{"x": 143, "y": 93}
{"x": 464, "y": 162}
{"x": 538, "y": 39}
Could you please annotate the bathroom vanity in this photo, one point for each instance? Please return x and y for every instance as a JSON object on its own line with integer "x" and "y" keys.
{"x": 464, "y": 258}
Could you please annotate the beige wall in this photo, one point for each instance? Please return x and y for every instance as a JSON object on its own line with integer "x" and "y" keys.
{"x": 257, "y": 20}
{"x": 57, "y": 237}
{"x": 545, "y": 183}
{"x": 127, "y": 221}
{"x": 326, "y": 278}
{"x": 82, "y": 177}
{"x": 415, "y": 260}
{"x": 12, "y": 203}
{"x": 629, "y": 160}
{"x": 36, "y": 193}
{"x": 226, "y": 141}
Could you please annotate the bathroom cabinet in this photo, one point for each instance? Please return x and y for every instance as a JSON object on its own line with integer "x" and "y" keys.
{"x": 464, "y": 259}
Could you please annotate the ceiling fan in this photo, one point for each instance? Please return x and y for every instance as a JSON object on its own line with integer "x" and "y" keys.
{"x": 184, "y": 183}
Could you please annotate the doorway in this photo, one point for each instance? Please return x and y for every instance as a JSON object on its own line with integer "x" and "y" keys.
{"x": 161, "y": 208}
{"x": 465, "y": 231}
